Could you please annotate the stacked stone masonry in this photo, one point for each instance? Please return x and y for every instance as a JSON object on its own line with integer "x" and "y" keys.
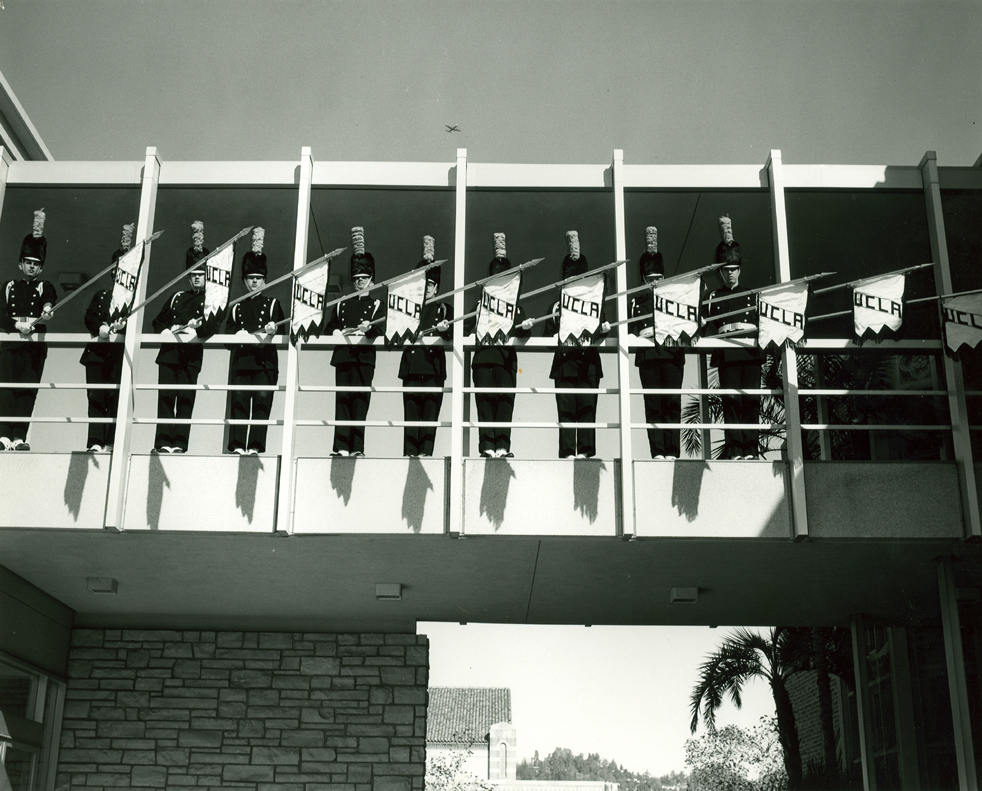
{"x": 253, "y": 710}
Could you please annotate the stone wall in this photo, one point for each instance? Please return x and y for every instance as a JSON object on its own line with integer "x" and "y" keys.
{"x": 254, "y": 710}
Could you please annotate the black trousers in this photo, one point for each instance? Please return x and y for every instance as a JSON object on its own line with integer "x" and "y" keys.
{"x": 103, "y": 403}
{"x": 249, "y": 405}
{"x": 666, "y": 408}
{"x": 19, "y": 362}
{"x": 173, "y": 404}
{"x": 419, "y": 440}
{"x": 494, "y": 408}
{"x": 577, "y": 408}
{"x": 352, "y": 406}
{"x": 740, "y": 408}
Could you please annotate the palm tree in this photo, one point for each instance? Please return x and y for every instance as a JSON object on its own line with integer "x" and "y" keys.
{"x": 746, "y": 655}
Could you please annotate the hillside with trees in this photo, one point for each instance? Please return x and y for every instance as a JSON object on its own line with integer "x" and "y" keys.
{"x": 561, "y": 764}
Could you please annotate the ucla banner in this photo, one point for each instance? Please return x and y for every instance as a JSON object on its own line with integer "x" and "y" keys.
{"x": 782, "y": 314}
{"x": 406, "y": 295}
{"x": 497, "y": 308}
{"x": 962, "y": 321}
{"x": 125, "y": 280}
{"x": 676, "y": 313}
{"x": 878, "y": 305}
{"x": 308, "y": 302}
{"x": 218, "y": 279}
{"x": 580, "y": 308}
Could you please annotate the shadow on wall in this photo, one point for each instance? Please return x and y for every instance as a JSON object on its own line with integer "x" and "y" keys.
{"x": 586, "y": 487}
{"x": 342, "y": 477}
{"x": 245, "y": 485}
{"x": 156, "y": 483}
{"x": 418, "y": 483}
{"x": 78, "y": 472}
{"x": 686, "y": 487}
{"x": 498, "y": 474}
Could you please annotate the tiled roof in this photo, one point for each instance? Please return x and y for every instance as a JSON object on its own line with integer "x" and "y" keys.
{"x": 465, "y": 714}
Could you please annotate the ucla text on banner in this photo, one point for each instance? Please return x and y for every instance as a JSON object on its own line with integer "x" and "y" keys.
{"x": 308, "y": 302}
{"x": 782, "y": 314}
{"x": 406, "y": 295}
{"x": 878, "y": 305}
{"x": 962, "y": 321}
{"x": 676, "y": 309}
{"x": 125, "y": 280}
{"x": 580, "y": 308}
{"x": 497, "y": 309}
{"x": 218, "y": 279}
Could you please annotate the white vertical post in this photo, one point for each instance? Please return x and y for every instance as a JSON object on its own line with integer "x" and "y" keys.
{"x": 961, "y": 436}
{"x": 5, "y": 162}
{"x": 120, "y": 464}
{"x": 863, "y": 702}
{"x": 455, "y": 518}
{"x": 789, "y": 357}
{"x": 284, "y": 506}
{"x": 957, "y": 682}
{"x": 623, "y": 358}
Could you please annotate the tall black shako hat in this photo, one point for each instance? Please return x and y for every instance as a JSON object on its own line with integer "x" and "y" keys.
{"x": 197, "y": 250}
{"x": 728, "y": 250}
{"x": 429, "y": 256}
{"x": 575, "y": 262}
{"x": 126, "y": 242}
{"x": 500, "y": 262}
{"x": 362, "y": 263}
{"x": 254, "y": 261}
{"x": 651, "y": 262}
{"x": 35, "y": 246}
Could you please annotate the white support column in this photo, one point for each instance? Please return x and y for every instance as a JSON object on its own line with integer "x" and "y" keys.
{"x": 284, "y": 507}
{"x": 455, "y": 518}
{"x": 961, "y": 716}
{"x": 789, "y": 357}
{"x": 5, "y": 162}
{"x": 961, "y": 436}
{"x": 623, "y": 358}
{"x": 120, "y": 464}
{"x": 863, "y": 703}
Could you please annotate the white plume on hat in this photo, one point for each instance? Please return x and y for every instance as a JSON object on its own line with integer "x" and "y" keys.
{"x": 429, "y": 249}
{"x": 358, "y": 240}
{"x": 37, "y": 230}
{"x": 651, "y": 239}
{"x": 499, "y": 245}
{"x": 127, "y": 241}
{"x": 258, "y": 237}
{"x": 573, "y": 242}
{"x": 198, "y": 236}
{"x": 726, "y": 229}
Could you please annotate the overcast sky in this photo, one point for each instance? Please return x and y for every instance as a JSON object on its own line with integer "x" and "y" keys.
{"x": 547, "y": 81}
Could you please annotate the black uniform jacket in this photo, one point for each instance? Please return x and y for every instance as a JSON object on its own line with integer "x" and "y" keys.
{"x": 348, "y": 315}
{"x": 252, "y": 315}
{"x": 428, "y": 361}
{"x": 581, "y": 363}
{"x": 180, "y": 309}
{"x": 96, "y": 315}
{"x": 491, "y": 354}
{"x": 25, "y": 299}
{"x": 748, "y": 316}
{"x": 642, "y": 306}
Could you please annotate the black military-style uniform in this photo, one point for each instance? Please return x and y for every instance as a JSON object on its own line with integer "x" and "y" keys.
{"x": 178, "y": 364}
{"x": 21, "y": 361}
{"x": 354, "y": 366}
{"x": 659, "y": 367}
{"x": 424, "y": 366}
{"x": 737, "y": 368}
{"x": 103, "y": 361}
{"x": 495, "y": 366}
{"x": 579, "y": 367}
{"x": 252, "y": 364}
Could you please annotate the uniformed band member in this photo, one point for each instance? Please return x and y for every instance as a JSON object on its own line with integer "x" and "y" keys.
{"x": 355, "y": 365}
{"x": 737, "y": 368}
{"x": 103, "y": 360}
{"x": 425, "y": 366}
{"x": 660, "y": 367}
{"x": 180, "y": 363}
{"x": 22, "y": 302}
{"x": 254, "y": 363}
{"x": 496, "y": 366}
{"x": 576, "y": 367}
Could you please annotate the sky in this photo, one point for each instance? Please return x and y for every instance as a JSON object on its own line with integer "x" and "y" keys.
{"x": 619, "y": 691}
{"x": 693, "y": 82}
{"x": 550, "y": 81}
